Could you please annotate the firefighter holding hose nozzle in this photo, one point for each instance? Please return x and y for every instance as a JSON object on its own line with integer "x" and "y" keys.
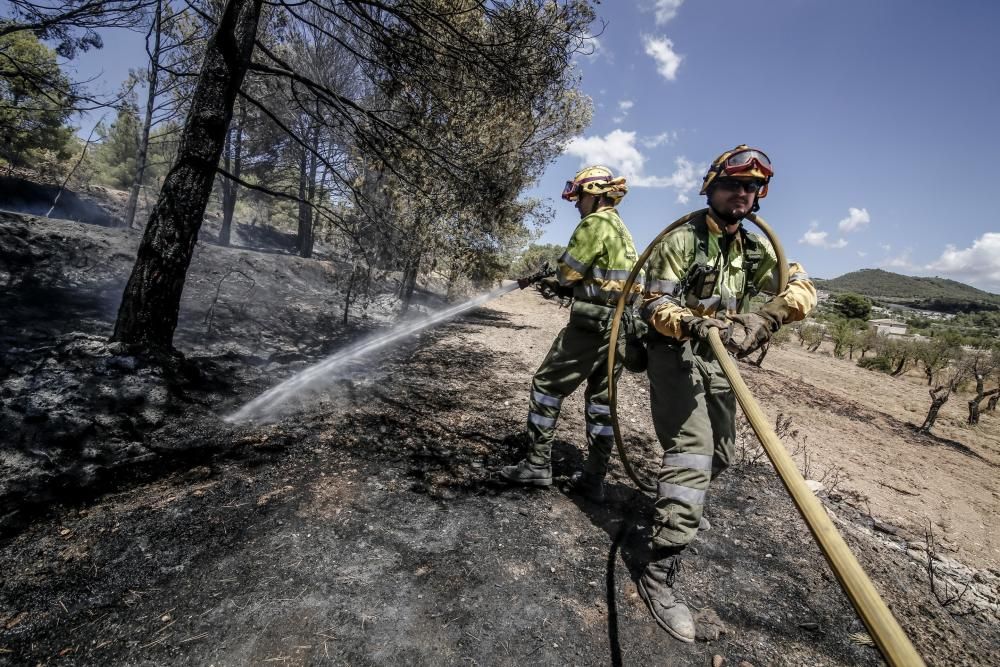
{"x": 593, "y": 270}
{"x": 699, "y": 277}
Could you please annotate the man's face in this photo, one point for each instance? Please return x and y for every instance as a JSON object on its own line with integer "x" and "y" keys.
{"x": 733, "y": 197}
{"x": 584, "y": 204}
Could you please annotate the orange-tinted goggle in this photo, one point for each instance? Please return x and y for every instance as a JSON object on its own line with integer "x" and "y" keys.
{"x": 571, "y": 189}
{"x": 745, "y": 160}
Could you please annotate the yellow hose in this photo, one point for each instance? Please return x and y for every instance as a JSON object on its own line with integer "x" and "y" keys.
{"x": 885, "y": 631}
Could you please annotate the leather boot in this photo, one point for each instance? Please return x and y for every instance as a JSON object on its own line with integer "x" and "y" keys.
{"x": 588, "y": 484}
{"x": 527, "y": 474}
{"x": 656, "y": 588}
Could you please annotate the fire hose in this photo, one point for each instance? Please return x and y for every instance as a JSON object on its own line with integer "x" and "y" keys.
{"x": 883, "y": 627}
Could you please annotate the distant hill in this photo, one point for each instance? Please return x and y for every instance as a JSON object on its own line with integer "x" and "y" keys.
{"x": 938, "y": 294}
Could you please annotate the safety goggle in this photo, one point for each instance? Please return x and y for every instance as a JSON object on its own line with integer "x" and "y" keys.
{"x": 572, "y": 188}
{"x": 737, "y": 163}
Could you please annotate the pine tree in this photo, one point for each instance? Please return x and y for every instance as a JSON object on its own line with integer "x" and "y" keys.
{"x": 33, "y": 106}
{"x": 116, "y": 156}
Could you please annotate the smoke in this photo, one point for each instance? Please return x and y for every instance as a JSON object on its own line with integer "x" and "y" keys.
{"x": 21, "y": 196}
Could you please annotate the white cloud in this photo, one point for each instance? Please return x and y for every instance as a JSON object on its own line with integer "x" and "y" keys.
{"x": 594, "y": 48}
{"x": 666, "y": 10}
{"x": 618, "y": 151}
{"x": 818, "y": 239}
{"x": 886, "y": 247}
{"x": 660, "y": 139}
{"x": 862, "y": 253}
{"x": 900, "y": 261}
{"x": 855, "y": 220}
{"x": 661, "y": 49}
{"x": 979, "y": 263}
{"x": 624, "y": 106}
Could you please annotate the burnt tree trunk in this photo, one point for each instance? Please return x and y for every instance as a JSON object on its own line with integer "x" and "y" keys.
{"x": 899, "y": 368}
{"x": 148, "y": 313}
{"x": 409, "y": 285}
{"x": 234, "y": 165}
{"x": 991, "y": 405}
{"x": 307, "y": 193}
{"x": 141, "y": 156}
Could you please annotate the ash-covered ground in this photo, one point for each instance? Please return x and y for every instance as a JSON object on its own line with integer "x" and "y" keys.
{"x": 366, "y": 526}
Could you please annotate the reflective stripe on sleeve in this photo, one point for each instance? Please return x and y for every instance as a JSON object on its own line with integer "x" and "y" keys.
{"x": 545, "y": 399}
{"x": 685, "y": 494}
{"x": 690, "y": 461}
{"x": 573, "y": 263}
{"x": 610, "y": 274}
{"x": 539, "y": 420}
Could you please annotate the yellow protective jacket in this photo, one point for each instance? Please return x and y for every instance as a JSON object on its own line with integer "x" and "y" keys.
{"x": 664, "y": 301}
{"x": 598, "y": 259}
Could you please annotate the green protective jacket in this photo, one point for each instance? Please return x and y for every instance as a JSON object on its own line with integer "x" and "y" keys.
{"x": 598, "y": 259}
{"x": 747, "y": 267}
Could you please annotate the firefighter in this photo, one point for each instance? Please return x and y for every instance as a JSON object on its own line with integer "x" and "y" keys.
{"x": 700, "y": 277}
{"x": 593, "y": 270}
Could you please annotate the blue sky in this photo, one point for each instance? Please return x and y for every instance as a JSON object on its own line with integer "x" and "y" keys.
{"x": 880, "y": 118}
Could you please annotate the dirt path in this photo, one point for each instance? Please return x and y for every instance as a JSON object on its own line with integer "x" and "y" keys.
{"x": 369, "y": 529}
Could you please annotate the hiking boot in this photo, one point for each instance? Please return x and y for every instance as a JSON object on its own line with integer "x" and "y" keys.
{"x": 527, "y": 474}
{"x": 656, "y": 588}
{"x": 590, "y": 485}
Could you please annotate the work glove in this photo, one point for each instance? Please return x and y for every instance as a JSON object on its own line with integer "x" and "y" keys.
{"x": 697, "y": 328}
{"x": 550, "y": 288}
{"x": 758, "y": 327}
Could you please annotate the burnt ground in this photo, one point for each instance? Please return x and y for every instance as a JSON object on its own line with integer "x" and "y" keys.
{"x": 368, "y": 527}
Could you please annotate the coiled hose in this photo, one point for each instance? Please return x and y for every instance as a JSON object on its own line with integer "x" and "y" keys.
{"x": 893, "y": 643}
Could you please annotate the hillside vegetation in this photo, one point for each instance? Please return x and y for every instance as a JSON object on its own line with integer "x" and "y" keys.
{"x": 930, "y": 293}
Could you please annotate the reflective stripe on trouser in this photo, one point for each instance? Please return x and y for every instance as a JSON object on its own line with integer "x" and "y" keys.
{"x": 694, "y": 413}
{"x": 579, "y": 353}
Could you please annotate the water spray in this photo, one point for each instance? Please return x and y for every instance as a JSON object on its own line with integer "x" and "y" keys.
{"x": 337, "y": 366}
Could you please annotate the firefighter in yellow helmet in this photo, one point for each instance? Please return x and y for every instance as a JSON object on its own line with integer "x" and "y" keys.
{"x": 699, "y": 277}
{"x": 593, "y": 270}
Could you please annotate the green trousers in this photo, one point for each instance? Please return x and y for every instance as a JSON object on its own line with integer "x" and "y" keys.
{"x": 694, "y": 414}
{"x": 579, "y": 353}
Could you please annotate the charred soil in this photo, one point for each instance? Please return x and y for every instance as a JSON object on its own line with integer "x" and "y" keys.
{"x": 368, "y": 526}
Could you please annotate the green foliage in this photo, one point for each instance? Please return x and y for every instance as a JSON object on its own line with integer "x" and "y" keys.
{"x": 35, "y": 100}
{"x": 846, "y": 336}
{"x": 114, "y": 161}
{"x": 533, "y": 257}
{"x": 876, "y": 363}
{"x": 810, "y": 334}
{"x": 853, "y": 306}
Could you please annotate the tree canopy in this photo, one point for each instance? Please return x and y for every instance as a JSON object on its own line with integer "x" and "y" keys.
{"x": 34, "y": 102}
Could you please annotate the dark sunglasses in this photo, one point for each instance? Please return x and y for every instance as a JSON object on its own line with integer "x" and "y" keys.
{"x": 734, "y": 184}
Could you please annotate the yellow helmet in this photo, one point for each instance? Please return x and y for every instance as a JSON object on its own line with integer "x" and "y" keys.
{"x": 595, "y": 180}
{"x": 741, "y": 162}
